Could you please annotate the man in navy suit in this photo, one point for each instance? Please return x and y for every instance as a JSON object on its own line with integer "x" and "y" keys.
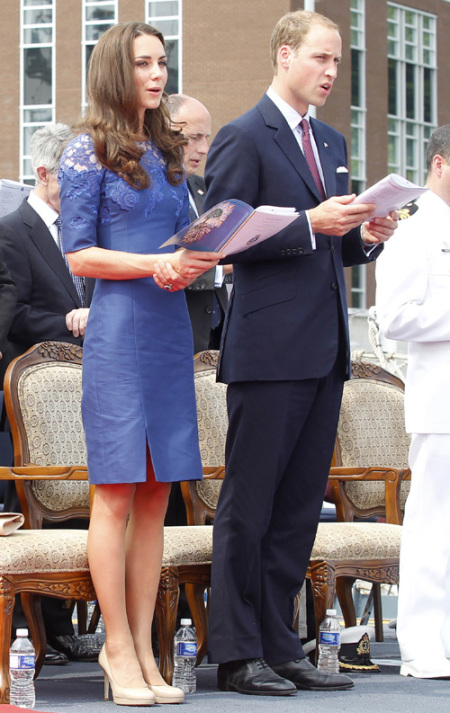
{"x": 285, "y": 356}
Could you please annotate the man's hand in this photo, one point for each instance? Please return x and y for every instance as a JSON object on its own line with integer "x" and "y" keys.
{"x": 378, "y": 230}
{"x": 338, "y": 215}
{"x": 76, "y": 321}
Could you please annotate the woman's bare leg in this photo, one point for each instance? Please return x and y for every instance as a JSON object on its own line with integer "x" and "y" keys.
{"x": 106, "y": 552}
{"x": 144, "y": 549}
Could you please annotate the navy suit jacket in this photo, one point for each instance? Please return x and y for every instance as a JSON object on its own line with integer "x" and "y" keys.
{"x": 288, "y": 312}
{"x": 7, "y": 303}
{"x": 45, "y": 289}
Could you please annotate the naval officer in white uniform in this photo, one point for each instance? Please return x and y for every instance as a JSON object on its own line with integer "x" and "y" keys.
{"x": 413, "y": 305}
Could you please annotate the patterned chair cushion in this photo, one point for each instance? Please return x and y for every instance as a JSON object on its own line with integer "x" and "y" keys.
{"x": 27, "y": 551}
{"x": 187, "y": 544}
{"x": 50, "y": 395}
{"x": 335, "y": 541}
{"x": 371, "y": 432}
{"x": 35, "y": 551}
{"x": 356, "y": 541}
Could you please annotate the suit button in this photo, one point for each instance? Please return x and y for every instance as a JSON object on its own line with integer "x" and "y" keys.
{"x": 289, "y": 251}
{"x": 208, "y": 310}
{"x": 203, "y": 285}
{"x": 300, "y": 251}
{"x": 334, "y": 286}
{"x": 283, "y": 252}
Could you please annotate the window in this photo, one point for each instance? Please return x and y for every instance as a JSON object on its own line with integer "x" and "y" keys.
{"x": 358, "y": 132}
{"x": 165, "y": 15}
{"x": 98, "y": 16}
{"x": 412, "y": 96}
{"x": 37, "y": 75}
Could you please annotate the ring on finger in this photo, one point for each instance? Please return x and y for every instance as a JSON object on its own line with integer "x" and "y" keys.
{"x": 168, "y": 286}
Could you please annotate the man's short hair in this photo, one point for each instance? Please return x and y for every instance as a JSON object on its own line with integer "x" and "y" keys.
{"x": 47, "y": 145}
{"x": 439, "y": 144}
{"x": 292, "y": 29}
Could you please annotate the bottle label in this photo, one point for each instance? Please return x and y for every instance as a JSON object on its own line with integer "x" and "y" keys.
{"x": 21, "y": 661}
{"x": 331, "y": 638}
{"x": 186, "y": 648}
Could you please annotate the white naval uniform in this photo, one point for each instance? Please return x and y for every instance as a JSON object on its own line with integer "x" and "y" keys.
{"x": 413, "y": 305}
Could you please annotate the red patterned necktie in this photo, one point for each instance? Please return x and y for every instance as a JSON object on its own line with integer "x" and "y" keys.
{"x": 309, "y": 155}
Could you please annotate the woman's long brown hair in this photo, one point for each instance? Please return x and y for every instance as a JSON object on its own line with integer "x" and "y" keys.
{"x": 112, "y": 115}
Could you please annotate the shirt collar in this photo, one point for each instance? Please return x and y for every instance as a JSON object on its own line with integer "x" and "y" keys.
{"x": 291, "y": 115}
{"x": 44, "y": 211}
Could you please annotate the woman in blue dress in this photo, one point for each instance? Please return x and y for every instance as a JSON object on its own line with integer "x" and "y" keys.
{"x": 122, "y": 195}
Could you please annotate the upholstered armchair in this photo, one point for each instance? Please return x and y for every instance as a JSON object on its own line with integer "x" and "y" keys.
{"x": 43, "y": 402}
{"x": 36, "y": 562}
{"x": 370, "y": 475}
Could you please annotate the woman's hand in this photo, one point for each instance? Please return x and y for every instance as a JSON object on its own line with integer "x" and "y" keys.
{"x": 179, "y": 269}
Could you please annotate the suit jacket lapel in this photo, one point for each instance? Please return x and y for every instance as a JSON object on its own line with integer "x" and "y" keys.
{"x": 197, "y": 189}
{"x": 289, "y": 145}
{"x": 42, "y": 238}
{"x": 328, "y": 166}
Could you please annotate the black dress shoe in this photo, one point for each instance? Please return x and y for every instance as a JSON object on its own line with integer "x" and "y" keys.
{"x": 54, "y": 658}
{"x": 306, "y": 676}
{"x": 254, "y": 677}
{"x": 77, "y": 648}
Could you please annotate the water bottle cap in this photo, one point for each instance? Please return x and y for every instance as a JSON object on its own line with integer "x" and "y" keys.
{"x": 331, "y": 612}
{"x": 21, "y": 632}
{"x": 186, "y": 622}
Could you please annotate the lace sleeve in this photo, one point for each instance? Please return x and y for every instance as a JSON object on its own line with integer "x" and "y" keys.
{"x": 183, "y": 215}
{"x": 80, "y": 177}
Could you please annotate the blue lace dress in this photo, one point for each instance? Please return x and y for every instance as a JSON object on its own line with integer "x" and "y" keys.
{"x": 138, "y": 385}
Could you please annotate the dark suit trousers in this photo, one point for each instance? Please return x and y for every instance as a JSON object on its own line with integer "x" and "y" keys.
{"x": 279, "y": 449}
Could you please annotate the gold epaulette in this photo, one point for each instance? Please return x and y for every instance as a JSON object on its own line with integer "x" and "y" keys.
{"x": 408, "y": 210}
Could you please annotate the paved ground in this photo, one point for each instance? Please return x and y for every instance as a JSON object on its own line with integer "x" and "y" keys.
{"x": 77, "y": 688}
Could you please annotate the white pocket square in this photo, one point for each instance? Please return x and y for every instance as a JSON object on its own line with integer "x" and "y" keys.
{"x": 341, "y": 169}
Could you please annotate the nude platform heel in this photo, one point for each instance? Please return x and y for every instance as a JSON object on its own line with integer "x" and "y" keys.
{"x": 124, "y": 696}
{"x": 167, "y": 694}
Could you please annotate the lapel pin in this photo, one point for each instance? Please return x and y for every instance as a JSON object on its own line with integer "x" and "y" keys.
{"x": 325, "y": 144}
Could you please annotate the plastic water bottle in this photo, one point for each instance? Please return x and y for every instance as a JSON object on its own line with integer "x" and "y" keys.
{"x": 185, "y": 657}
{"x": 22, "y": 662}
{"x": 329, "y": 643}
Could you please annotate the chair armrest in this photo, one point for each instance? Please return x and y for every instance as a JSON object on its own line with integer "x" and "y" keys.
{"x": 214, "y": 472}
{"x": 39, "y": 472}
{"x": 392, "y": 478}
{"x": 197, "y": 511}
